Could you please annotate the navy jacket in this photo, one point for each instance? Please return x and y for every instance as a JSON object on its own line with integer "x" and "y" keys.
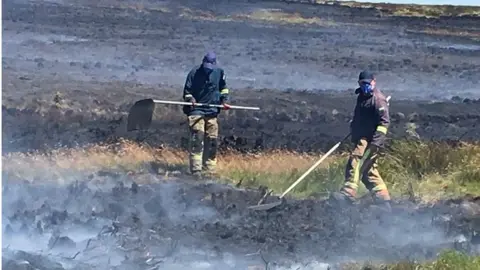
{"x": 205, "y": 88}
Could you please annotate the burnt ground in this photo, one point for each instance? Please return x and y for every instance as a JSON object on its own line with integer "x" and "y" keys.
{"x": 112, "y": 222}
{"x": 102, "y": 56}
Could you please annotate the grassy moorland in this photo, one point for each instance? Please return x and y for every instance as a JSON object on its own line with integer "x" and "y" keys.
{"x": 432, "y": 170}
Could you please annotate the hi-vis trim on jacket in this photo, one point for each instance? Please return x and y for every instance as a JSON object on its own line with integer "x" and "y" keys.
{"x": 205, "y": 87}
{"x": 371, "y": 118}
{"x": 382, "y": 129}
{"x": 224, "y": 91}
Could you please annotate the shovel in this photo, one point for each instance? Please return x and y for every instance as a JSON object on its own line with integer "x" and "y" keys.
{"x": 274, "y": 204}
{"x": 141, "y": 113}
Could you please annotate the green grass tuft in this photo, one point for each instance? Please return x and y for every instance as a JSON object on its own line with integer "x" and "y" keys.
{"x": 447, "y": 260}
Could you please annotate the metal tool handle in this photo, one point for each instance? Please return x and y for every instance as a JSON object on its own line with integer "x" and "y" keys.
{"x": 206, "y": 105}
{"x": 314, "y": 166}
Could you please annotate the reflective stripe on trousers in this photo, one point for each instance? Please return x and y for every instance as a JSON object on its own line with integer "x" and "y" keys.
{"x": 362, "y": 161}
{"x": 203, "y": 143}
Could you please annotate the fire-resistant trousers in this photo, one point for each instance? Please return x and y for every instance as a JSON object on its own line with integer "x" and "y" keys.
{"x": 363, "y": 165}
{"x": 203, "y": 143}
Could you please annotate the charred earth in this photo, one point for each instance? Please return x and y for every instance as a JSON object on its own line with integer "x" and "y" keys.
{"x": 72, "y": 69}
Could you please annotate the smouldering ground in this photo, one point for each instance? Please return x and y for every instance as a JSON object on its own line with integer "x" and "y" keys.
{"x": 129, "y": 182}
{"x": 89, "y": 187}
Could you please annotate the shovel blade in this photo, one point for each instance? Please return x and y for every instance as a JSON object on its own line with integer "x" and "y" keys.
{"x": 140, "y": 115}
{"x": 266, "y": 206}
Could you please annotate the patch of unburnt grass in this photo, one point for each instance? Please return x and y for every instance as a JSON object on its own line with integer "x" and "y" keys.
{"x": 282, "y": 17}
{"x": 426, "y": 170}
{"x": 410, "y": 10}
{"x": 439, "y": 31}
{"x": 447, "y": 260}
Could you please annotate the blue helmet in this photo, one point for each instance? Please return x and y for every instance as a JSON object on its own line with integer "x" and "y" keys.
{"x": 209, "y": 61}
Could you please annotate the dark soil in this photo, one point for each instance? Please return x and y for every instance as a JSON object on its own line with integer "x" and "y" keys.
{"x": 102, "y": 56}
{"x": 113, "y": 222}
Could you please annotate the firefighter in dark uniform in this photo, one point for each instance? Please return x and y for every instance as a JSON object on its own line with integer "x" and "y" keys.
{"x": 368, "y": 128}
{"x": 205, "y": 83}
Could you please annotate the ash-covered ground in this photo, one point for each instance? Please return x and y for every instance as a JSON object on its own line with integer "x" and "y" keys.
{"x": 102, "y": 56}
{"x": 111, "y": 222}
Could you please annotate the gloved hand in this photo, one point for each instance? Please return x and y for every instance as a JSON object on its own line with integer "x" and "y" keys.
{"x": 379, "y": 139}
{"x": 192, "y": 100}
{"x": 372, "y": 149}
{"x": 226, "y": 107}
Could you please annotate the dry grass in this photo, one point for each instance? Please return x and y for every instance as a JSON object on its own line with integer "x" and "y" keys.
{"x": 130, "y": 156}
{"x": 123, "y": 156}
{"x": 281, "y": 17}
{"x": 472, "y": 34}
{"x": 275, "y": 162}
{"x": 406, "y": 10}
{"x": 200, "y": 15}
{"x": 435, "y": 170}
{"x": 433, "y": 11}
{"x": 267, "y": 15}
{"x": 143, "y": 6}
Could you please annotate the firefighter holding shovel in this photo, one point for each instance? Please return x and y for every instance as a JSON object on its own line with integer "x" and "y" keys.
{"x": 205, "y": 94}
{"x": 206, "y": 84}
{"x": 368, "y": 129}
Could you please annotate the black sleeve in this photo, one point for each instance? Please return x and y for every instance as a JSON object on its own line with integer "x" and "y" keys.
{"x": 187, "y": 89}
{"x": 224, "y": 91}
{"x": 383, "y": 121}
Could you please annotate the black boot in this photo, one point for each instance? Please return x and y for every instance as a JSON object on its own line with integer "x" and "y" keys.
{"x": 197, "y": 175}
{"x": 381, "y": 206}
{"x": 341, "y": 199}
